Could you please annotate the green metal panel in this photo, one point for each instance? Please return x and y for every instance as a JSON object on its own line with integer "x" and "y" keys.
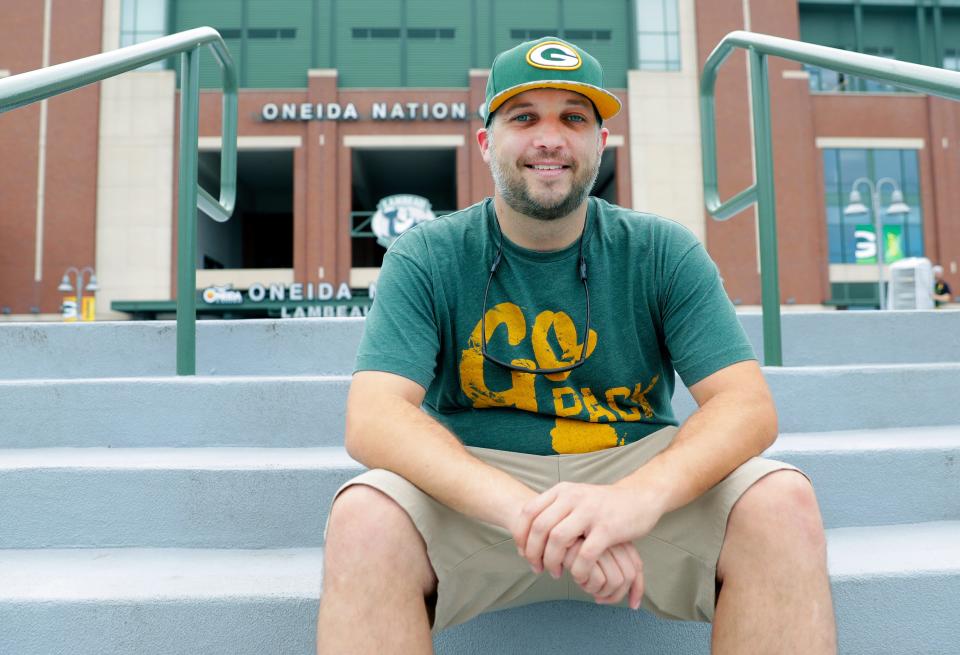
{"x": 949, "y": 32}
{"x": 368, "y": 61}
{"x": 278, "y": 61}
{"x": 527, "y": 15}
{"x": 601, "y": 15}
{"x": 220, "y": 15}
{"x": 891, "y": 27}
{"x": 438, "y": 61}
{"x": 829, "y": 26}
{"x": 322, "y": 30}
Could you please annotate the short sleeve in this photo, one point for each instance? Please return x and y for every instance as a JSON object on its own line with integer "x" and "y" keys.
{"x": 400, "y": 334}
{"x": 702, "y": 332}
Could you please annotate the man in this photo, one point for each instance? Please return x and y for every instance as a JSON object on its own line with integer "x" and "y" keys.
{"x": 539, "y": 331}
{"x": 941, "y": 290}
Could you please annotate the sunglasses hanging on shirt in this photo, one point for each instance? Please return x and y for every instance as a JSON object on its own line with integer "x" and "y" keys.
{"x": 582, "y": 271}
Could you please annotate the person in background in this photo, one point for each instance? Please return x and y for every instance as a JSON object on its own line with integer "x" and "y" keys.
{"x": 941, "y": 290}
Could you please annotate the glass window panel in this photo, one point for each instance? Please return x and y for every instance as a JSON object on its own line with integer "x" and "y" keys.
{"x": 834, "y": 214}
{"x": 673, "y": 48}
{"x": 127, "y": 38}
{"x": 151, "y": 16}
{"x": 650, "y": 14}
{"x": 911, "y": 171}
{"x": 604, "y": 35}
{"x": 670, "y": 9}
{"x": 831, "y": 176}
{"x": 835, "y": 240}
{"x": 914, "y": 241}
{"x": 886, "y": 163}
{"x": 653, "y": 47}
{"x": 853, "y": 164}
{"x": 849, "y": 253}
{"x": 128, "y": 11}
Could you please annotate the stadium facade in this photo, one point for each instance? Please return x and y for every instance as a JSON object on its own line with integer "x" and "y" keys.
{"x": 344, "y": 104}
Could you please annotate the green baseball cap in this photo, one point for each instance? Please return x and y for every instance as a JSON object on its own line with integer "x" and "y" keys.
{"x": 547, "y": 63}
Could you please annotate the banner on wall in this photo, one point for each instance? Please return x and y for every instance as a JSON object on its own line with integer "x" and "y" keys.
{"x": 866, "y": 244}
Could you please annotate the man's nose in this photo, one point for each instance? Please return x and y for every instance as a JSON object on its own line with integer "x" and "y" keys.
{"x": 549, "y": 135}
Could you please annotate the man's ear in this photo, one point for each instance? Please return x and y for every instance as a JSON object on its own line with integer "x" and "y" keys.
{"x": 483, "y": 139}
{"x": 604, "y": 133}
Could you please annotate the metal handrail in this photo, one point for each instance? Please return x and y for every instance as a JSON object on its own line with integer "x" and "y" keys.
{"x": 26, "y": 88}
{"x": 914, "y": 77}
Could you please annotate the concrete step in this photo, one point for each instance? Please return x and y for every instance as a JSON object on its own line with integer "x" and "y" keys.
{"x": 279, "y": 497}
{"x": 824, "y": 398}
{"x": 895, "y": 590}
{"x": 862, "y": 337}
{"x": 303, "y": 411}
{"x": 198, "y": 411}
{"x": 168, "y": 497}
{"x": 312, "y": 346}
{"x": 326, "y": 346}
{"x": 875, "y": 477}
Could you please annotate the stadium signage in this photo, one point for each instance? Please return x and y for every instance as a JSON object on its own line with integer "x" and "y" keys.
{"x": 378, "y": 111}
{"x": 300, "y": 300}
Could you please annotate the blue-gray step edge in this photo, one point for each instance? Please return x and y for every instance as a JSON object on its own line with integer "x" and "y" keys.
{"x": 280, "y": 497}
{"x": 824, "y": 398}
{"x": 317, "y": 346}
{"x": 312, "y": 346}
{"x": 290, "y": 411}
{"x": 895, "y": 591}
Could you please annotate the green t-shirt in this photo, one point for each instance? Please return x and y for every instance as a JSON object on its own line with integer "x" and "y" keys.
{"x": 656, "y": 304}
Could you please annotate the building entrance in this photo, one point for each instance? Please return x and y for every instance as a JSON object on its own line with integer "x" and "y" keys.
{"x": 380, "y": 173}
{"x": 260, "y": 232}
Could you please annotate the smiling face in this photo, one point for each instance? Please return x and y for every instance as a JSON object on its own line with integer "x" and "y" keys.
{"x": 543, "y": 148}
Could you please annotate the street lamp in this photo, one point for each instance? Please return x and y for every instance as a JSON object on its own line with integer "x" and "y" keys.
{"x": 66, "y": 287}
{"x": 897, "y": 206}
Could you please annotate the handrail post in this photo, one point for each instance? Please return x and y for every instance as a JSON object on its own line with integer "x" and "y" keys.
{"x": 187, "y": 213}
{"x": 766, "y": 210}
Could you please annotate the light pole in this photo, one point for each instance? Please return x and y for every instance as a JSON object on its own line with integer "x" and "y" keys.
{"x": 66, "y": 287}
{"x": 897, "y": 206}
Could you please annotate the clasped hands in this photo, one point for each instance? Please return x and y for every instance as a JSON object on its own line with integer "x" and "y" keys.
{"x": 589, "y": 530}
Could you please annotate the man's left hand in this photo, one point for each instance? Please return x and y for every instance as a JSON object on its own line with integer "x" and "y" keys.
{"x": 603, "y": 515}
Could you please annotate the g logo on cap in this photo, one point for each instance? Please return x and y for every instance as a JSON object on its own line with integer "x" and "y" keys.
{"x": 554, "y": 55}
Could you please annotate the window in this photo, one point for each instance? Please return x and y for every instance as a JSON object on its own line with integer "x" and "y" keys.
{"x": 951, "y": 59}
{"x": 143, "y": 20}
{"x": 376, "y": 32}
{"x": 430, "y": 32}
{"x": 533, "y": 33}
{"x": 272, "y": 33}
{"x": 658, "y": 35}
{"x": 841, "y": 168}
{"x": 587, "y": 35}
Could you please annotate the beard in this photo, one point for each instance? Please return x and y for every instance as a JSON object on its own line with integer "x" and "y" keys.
{"x": 515, "y": 190}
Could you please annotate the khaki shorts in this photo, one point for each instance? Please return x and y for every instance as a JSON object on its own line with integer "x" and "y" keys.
{"x": 478, "y": 568}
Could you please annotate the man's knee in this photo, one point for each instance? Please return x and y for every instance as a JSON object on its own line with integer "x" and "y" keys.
{"x": 369, "y": 533}
{"x": 780, "y": 509}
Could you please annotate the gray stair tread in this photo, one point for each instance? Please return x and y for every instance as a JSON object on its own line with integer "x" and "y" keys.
{"x": 238, "y": 458}
{"x": 172, "y": 573}
{"x": 214, "y": 459}
{"x": 912, "y": 438}
{"x": 895, "y": 550}
{"x": 131, "y": 574}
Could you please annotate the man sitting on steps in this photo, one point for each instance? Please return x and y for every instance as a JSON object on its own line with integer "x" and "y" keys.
{"x": 512, "y": 400}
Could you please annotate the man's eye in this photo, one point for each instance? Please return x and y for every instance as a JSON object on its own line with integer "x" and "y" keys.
{"x": 576, "y": 118}
{"x": 522, "y": 118}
